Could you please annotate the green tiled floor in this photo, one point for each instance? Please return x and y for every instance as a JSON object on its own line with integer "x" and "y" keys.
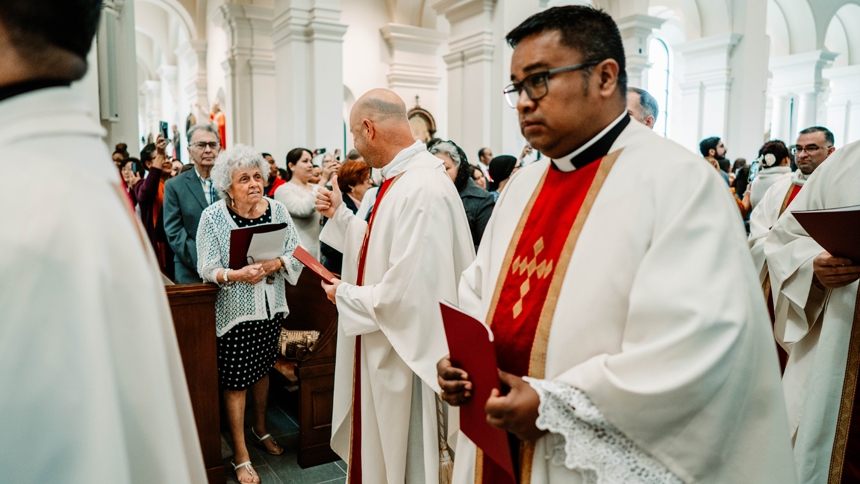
{"x": 282, "y": 469}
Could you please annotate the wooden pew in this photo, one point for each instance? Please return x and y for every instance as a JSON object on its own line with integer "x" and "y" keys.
{"x": 311, "y": 310}
{"x": 193, "y": 309}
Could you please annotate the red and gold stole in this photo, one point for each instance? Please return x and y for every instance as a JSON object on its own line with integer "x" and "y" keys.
{"x": 765, "y": 285}
{"x": 355, "y": 430}
{"x": 845, "y": 459}
{"x": 530, "y": 281}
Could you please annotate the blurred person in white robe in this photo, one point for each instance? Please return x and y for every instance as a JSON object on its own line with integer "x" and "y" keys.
{"x": 396, "y": 269}
{"x": 619, "y": 288}
{"x": 814, "y": 145}
{"x": 818, "y": 323}
{"x": 92, "y": 384}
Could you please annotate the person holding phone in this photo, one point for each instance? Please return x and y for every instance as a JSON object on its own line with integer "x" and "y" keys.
{"x": 149, "y": 194}
{"x": 251, "y": 303}
{"x": 299, "y": 196}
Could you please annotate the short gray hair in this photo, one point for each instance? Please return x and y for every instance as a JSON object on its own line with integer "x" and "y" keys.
{"x": 449, "y": 149}
{"x": 647, "y": 103}
{"x": 204, "y": 127}
{"x": 231, "y": 159}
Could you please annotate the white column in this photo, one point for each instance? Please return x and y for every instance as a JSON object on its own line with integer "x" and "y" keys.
{"x": 843, "y": 107}
{"x": 168, "y": 74}
{"x": 780, "y": 127}
{"x": 152, "y": 101}
{"x": 193, "y": 77}
{"x": 250, "y": 72}
{"x": 308, "y": 46}
{"x": 117, "y": 65}
{"x": 707, "y": 86}
{"x": 412, "y": 70}
{"x": 470, "y": 67}
{"x": 801, "y": 76}
{"x": 636, "y": 31}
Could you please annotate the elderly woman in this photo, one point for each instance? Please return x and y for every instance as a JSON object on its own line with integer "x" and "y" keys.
{"x": 477, "y": 202}
{"x": 299, "y": 195}
{"x": 251, "y": 303}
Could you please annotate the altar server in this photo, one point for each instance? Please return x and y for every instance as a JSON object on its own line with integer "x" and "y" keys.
{"x": 818, "y": 322}
{"x": 397, "y": 267}
{"x": 92, "y": 387}
{"x": 616, "y": 279}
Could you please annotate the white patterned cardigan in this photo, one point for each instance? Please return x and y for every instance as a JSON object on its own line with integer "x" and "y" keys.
{"x": 243, "y": 301}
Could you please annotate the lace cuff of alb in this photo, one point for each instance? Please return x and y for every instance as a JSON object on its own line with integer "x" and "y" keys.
{"x": 586, "y": 442}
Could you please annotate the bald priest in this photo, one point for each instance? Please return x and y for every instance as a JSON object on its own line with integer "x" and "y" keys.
{"x": 397, "y": 267}
{"x": 615, "y": 276}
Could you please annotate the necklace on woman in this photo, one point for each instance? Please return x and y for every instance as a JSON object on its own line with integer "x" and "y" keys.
{"x": 248, "y": 215}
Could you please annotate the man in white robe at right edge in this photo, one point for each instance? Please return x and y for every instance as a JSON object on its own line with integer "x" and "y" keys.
{"x": 817, "y": 321}
{"x": 630, "y": 333}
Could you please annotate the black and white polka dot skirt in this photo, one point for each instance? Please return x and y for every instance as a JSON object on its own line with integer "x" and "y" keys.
{"x": 247, "y": 352}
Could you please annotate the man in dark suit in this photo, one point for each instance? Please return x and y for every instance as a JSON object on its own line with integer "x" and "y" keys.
{"x": 185, "y": 197}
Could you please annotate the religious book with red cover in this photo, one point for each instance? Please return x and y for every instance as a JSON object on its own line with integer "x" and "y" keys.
{"x": 835, "y": 229}
{"x": 240, "y": 241}
{"x": 311, "y": 263}
{"x": 471, "y": 345}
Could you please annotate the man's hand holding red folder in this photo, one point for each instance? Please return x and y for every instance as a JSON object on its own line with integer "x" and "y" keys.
{"x": 834, "y": 272}
{"x": 515, "y": 412}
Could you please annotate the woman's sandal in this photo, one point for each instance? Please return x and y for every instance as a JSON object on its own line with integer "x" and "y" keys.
{"x": 261, "y": 442}
{"x": 247, "y": 466}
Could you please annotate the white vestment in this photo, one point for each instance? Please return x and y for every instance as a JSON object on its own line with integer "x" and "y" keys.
{"x": 813, "y": 379}
{"x": 766, "y": 213}
{"x": 659, "y": 364}
{"x": 92, "y": 384}
{"x": 419, "y": 246}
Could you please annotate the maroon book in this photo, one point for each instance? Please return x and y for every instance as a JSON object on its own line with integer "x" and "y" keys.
{"x": 837, "y": 230}
{"x": 311, "y": 263}
{"x": 240, "y": 241}
{"x": 471, "y": 345}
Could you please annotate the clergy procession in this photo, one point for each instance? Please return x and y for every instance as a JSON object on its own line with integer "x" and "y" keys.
{"x": 202, "y": 315}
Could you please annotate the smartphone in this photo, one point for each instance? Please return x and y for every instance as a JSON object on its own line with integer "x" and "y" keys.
{"x": 319, "y": 151}
{"x": 337, "y": 154}
{"x": 162, "y": 126}
{"x": 754, "y": 167}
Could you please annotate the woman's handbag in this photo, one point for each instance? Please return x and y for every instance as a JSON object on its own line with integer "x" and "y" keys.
{"x": 297, "y": 345}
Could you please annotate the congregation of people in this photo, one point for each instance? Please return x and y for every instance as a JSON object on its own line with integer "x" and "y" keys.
{"x": 658, "y": 315}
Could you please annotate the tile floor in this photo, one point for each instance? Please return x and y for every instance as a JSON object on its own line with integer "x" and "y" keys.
{"x": 282, "y": 469}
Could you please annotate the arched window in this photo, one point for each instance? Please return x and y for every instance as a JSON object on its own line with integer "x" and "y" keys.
{"x": 659, "y": 80}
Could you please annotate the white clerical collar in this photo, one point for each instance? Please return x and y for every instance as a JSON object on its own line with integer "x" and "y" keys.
{"x": 399, "y": 163}
{"x": 566, "y": 163}
{"x": 798, "y": 178}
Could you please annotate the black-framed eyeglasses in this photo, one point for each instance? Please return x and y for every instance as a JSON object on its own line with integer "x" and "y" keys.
{"x": 203, "y": 144}
{"x": 537, "y": 85}
{"x": 810, "y": 149}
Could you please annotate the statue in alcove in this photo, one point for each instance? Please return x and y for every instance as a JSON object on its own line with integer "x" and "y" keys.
{"x": 422, "y": 123}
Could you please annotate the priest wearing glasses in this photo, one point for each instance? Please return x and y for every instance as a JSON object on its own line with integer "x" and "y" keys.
{"x": 613, "y": 274}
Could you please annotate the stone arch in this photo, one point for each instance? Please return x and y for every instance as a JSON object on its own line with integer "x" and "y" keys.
{"x": 715, "y": 17}
{"x": 685, "y": 11}
{"x": 175, "y": 9}
{"x": 777, "y": 30}
{"x": 842, "y": 35}
{"x": 801, "y": 25}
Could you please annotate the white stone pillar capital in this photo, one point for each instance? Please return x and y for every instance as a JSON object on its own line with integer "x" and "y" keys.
{"x": 800, "y": 73}
{"x": 470, "y": 70}
{"x": 307, "y": 36}
{"x": 636, "y": 31}
{"x": 459, "y": 10}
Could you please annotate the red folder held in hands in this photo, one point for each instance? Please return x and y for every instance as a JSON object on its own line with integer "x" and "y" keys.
{"x": 471, "y": 345}
{"x": 837, "y": 230}
{"x": 311, "y": 263}
{"x": 240, "y": 241}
